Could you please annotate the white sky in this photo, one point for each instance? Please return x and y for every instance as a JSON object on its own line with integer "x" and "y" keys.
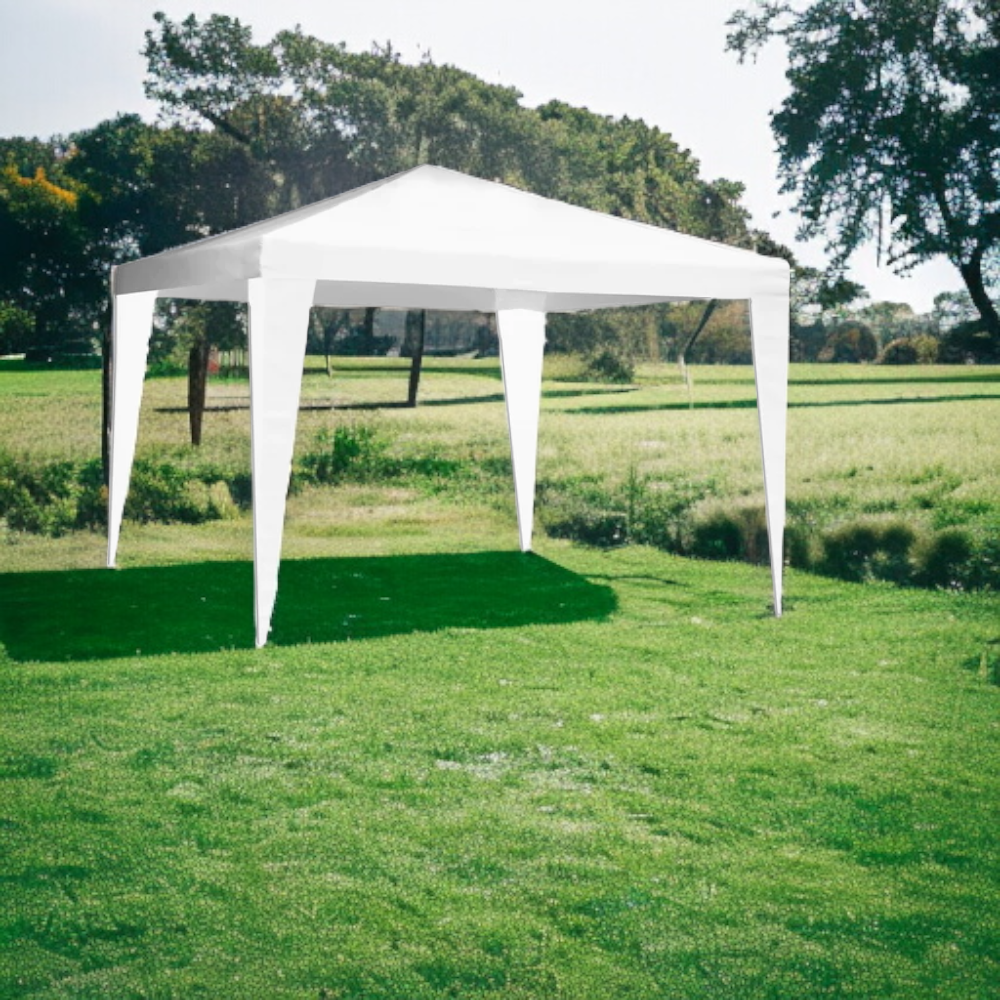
{"x": 68, "y": 64}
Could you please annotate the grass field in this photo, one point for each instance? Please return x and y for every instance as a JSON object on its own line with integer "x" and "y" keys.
{"x": 461, "y": 772}
{"x": 863, "y": 440}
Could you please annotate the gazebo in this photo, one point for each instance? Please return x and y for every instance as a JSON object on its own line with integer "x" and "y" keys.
{"x": 431, "y": 238}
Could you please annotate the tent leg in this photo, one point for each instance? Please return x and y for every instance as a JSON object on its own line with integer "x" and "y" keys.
{"x": 279, "y": 321}
{"x": 769, "y": 334}
{"x": 522, "y": 344}
{"x": 131, "y": 328}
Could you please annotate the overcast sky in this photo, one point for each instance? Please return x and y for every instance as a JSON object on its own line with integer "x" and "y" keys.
{"x": 68, "y": 64}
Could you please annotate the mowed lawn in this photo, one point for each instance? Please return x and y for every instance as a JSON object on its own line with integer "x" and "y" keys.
{"x": 458, "y": 771}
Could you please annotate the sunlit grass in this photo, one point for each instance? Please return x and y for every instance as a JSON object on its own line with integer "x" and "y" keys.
{"x": 665, "y": 793}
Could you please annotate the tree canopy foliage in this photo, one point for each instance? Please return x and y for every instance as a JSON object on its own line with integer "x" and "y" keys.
{"x": 251, "y": 129}
{"x": 323, "y": 119}
{"x": 45, "y": 250}
{"x": 891, "y": 129}
{"x": 248, "y": 129}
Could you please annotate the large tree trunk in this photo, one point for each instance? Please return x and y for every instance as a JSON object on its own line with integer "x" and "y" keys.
{"x": 416, "y": 329}
{"x": 972, "y": 275}
{"x": 197, "y": 386}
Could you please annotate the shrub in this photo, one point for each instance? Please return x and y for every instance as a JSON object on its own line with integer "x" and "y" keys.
{"x": 164, "y": 492}
{"x": 580, "y": 522}
{"x": 658, "y": 509}
{"x": 848, "y": 551}
{"x": 38, "y": 497}
{"x": 850, "y": 342}
{"x": 969, "y": 343}
{"x": 354, "y": 450}
{"x": 801, "y": 547}
{"x": 869, "y": 551}
{"x": 717, "y": 535}
{"x": 892, "y": 559}
{"x": 919, "y": 350}
{"x": 637, "y": 510}
{"x": 241, "y": 488}
{"x": 982, "y": 572}
{"x": 943, "y": 561}
{"x": 896, "y": 553}
{"x": 609, "y": 365}
{"x": 901, "y": 351}
{"x": 729, "y": 533}
{"x": 221, "y": 503}
{"x": 92, "y": 499}
{"x": 928, "y": 348}
{"x": 582, "y": 510}
{"x": 16, "y": 327}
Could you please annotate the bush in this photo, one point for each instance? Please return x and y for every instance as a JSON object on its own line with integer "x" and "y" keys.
{"x": 848, "y": 343}
{"x": 38, "y": 497}
{"x": 943, "y": 560}
{"x": 637, "y": 510}
{"x": 919, "y": 350}
{"x": 901, "y": 351}
{"x": 866, "y": 551}
{"x": 608, "y": 365}
{"x": 716, "y": 536}
{"x": 355, "y": 450}
{"x": 848, "y": 551}
{"x": 92, "y": 499}
{"x": 982, "y": 571}
{"x": 579, "y": 522}
{"x": 164, "y": 492}
{"x": 16, "y": 327}
{"x": 729, "y": 533}
{"x": 658, "y": 509}
{"x": 892, "y": 559}
{"x": 969, "y": 343}
{"x": 582, "y": 510}
{"x": 801, "y": 547}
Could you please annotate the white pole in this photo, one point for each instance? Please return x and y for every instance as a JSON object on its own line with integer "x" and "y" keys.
{"x": 770, "y": 336}
{"x": 522, "y": 345}
{"x": 279, "y": 321}
{"x": 132, "y": 326}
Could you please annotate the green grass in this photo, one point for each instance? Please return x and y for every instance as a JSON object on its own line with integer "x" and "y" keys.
{"x": 863, "y": 440}
{"x": 462, "y": 772}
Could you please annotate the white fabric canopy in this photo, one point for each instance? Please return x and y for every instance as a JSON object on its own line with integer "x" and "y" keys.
{"x": 432, "y": 238}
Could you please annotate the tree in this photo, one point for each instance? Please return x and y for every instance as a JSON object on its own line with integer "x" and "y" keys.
{"x": 950, "y": 309}
{"x": 320, "y": 119}
{"x": 201, "y": 326}
{"x": 146, "y": 189}
{"x": 892, "y": 126}
{"x": 16, "y": 327}
{"x": 47, "y": 266}
{"x": 850, "y": 342}
{"x": 413, "y": 346}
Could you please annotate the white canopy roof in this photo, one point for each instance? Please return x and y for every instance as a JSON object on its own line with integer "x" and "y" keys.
{"x": 432, "y": 238}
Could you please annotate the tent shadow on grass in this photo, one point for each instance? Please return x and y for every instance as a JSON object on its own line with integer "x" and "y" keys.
{"x": 203, "y": 607}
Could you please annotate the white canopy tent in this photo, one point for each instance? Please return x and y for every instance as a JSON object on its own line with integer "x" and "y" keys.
{"x": 432, "y": 238}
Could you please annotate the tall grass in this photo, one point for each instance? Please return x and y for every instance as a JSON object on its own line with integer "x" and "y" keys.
{"x": 869, "y": 449}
